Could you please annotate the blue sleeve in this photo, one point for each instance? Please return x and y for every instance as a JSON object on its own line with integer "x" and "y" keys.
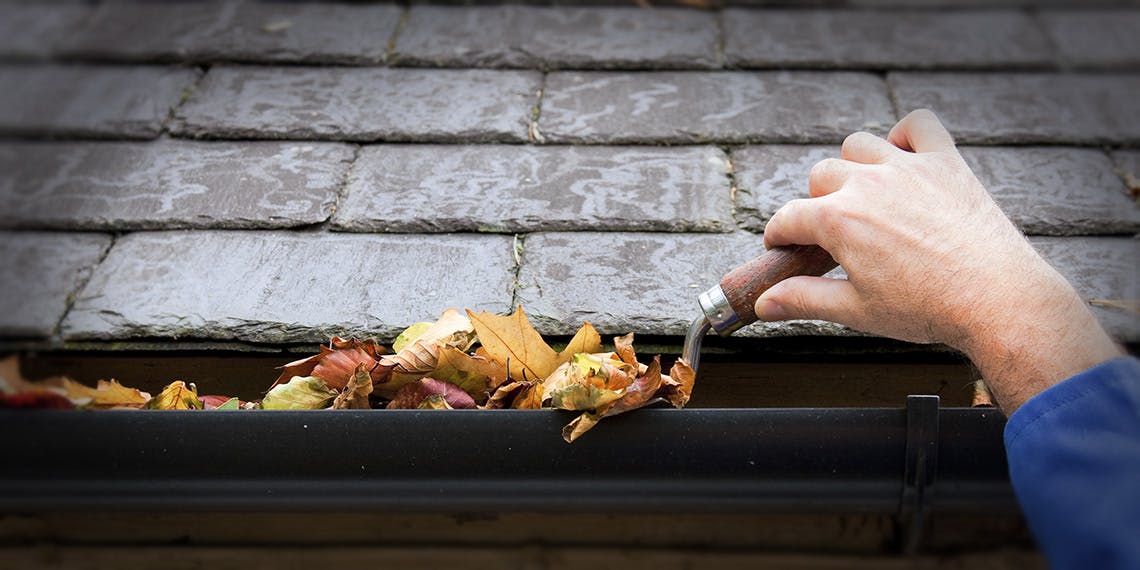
{"x": 1074, "y": 460}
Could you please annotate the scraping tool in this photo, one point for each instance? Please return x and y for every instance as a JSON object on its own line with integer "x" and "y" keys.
{"x": 731, "y": 304}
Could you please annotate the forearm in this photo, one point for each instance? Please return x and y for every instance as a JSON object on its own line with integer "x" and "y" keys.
{"x": 1037, "y": 338}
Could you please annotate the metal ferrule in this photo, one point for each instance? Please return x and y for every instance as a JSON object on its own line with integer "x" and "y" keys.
{"x": 718, "y": 311}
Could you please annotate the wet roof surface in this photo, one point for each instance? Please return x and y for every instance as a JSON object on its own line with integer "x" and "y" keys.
{"x": 279, "y": 173}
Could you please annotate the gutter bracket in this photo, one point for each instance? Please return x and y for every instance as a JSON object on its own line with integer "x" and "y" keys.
{"x": 921, "y": 469}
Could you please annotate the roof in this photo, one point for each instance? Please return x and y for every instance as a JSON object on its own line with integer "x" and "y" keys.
{"x": 270, "y": 174}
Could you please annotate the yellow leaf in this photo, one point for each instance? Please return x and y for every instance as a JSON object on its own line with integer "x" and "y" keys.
{"x": 106, "y": 394}
{"x": 513, "y": 341}
{"x": 176, "y": 396}
{"x": 586, "y": 340}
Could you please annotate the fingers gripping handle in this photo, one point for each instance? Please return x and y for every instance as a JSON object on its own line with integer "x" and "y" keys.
{"x": 743, "y": 285}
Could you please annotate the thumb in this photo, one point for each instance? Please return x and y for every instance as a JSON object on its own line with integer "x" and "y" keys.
{"x": 805, "y": 297}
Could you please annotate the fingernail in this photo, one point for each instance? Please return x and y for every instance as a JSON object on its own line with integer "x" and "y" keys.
{"x": 769, "y": 310}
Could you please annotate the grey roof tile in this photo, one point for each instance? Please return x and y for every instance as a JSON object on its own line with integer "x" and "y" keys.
{"x": 286, "y": 287}
{"x": 360, "y": 104}
{"x": 439, "y": 188}
{"x": 1095, "y": 38}
{"x": 884, "y": 39}
{"x": 1026, "y": 107}
{"x": 89, "y": 100}
{"x": 170, "y": 184}
{"x": 648, "y": 283}
{"x": 559, "y": 37}
{"x": 34, "y": 31}
{"x": 312, "y": 32}
{"x": 1044, "y": 190}
{"x": 687, "y": 107}
{"x": 1128, "y": 167}
{"x": 38, "y": 274}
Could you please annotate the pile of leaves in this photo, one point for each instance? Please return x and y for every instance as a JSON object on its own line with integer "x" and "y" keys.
{"x": 473, "y": 361}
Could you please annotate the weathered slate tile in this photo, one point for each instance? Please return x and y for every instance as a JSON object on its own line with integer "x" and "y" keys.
{"x": 1044, "y": 190}
{"x": 648, "y": 283}
{"x": 558, "y": 37}
{"x": 38, "y": 272}
{"x": 1026, "y": 107}
{"x": 883, "y": 39}
{"x": 238, "y": 31}
{"x": 515, "y": 188}
{"x": 94, "y": 101}
{"x": 635, "y": 282}
{"x": 1101, "y": 38}
{"x": 36, "y": 30}
{"x": 423, "y": 105}
{"x": 170, "y": 184}
{"x": 1128, "y": 167}
{"x": 286, "y": 287}
{"x": 686, "y": 107}
{"x": 1100, "y": 268}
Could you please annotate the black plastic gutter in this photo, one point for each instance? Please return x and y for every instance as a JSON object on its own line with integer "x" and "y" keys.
{"x": 827, "y": 459}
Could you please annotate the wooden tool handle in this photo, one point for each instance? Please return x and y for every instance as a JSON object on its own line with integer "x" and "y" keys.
{"x": 743, "y": 285}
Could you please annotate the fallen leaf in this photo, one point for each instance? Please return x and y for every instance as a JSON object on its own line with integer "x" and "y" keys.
{"x": 176, "y": 396}
{"x": 438, "y": 352}
{"x": 520, "y": 395}
{"x": 105, "y": 394}
{"x": 335, "y": 364}
{"x": 513, "y": 342}
{"x": 35, "y": 399}
{"x": 300, "y": 393}
{"x": 678, "y": 385}
{"x": 231, "y": 404}
{"x": 578, "y": 426}
{"x": 434, "y": 402}
{"x": 588, "y": 382}
{"x": 410, "y": 334}
{"x": 623, "y": 346}
{"x": 354, "y": 396}
{"x": 413, "y": 395}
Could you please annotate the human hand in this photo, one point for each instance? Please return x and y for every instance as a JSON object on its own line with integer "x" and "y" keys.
{"x": 931, "y": 258}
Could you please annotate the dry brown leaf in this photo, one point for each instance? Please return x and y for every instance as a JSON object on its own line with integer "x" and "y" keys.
{"x": 106, "y": 394}
{"x": 355, "y": 394}
{"x": 678, "y": 385}
{"x": 335, "y": 364}
{"x": 512, "y": 341}
{"x": 623, "y": 346}
{"x": 426, "y": 394}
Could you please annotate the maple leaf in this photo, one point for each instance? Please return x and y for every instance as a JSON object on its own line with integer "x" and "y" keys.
{"x": 176, "y": 396}
{"x": 429, "y": 393}
{"x": 512, "y": 341}
{"x": 335, "y": 364}
{"x": 299, "y": 393}
{"x": 355, "y": 393}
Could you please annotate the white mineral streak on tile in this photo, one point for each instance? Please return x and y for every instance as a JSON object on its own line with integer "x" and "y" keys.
{"x": 360, "y": 104}
{"x": 38, "y": 271}
{"x": 89, "y": 100}
{"x": 530, "y": 36}
{"x": 286, "y": 287}
{"x": 884, "y": 38}
{"x": 524, "y": 188}
{"x": 1095, "y": 38}
{"x": 169, "y": 184}
{"x": 1100, "y": 268}
{"x": 768, "y": 176}
{"x": 599, "y": 107}
{"x": 1026, "y": 107}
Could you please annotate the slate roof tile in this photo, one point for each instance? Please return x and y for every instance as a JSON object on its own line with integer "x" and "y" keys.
{"x": 35, "y": 31}
{"x": 273, "y": 287}
{"x": 1045, "y": 190}
{"x": 89, "y": 100}
{"x": 1027, "y": 108}
{"x": 558, "y": 37}
{"x": 237, "y": 32}
{"x": 360, "y": 104}
{"x": 170, "y": 184}
{"x": 1095, "y": 38}
{"x": 883, "y": 39}
{"x": 41, "y": 273}
{"x": 694, "y": 107}
{"x": 513, "y": 188}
